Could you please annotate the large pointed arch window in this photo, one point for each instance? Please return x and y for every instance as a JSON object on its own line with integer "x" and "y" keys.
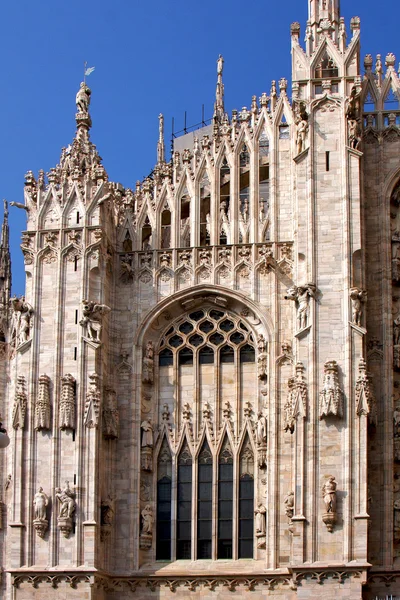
{"x": 206, "y": 368}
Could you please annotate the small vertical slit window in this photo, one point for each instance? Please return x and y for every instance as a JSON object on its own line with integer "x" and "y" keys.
{"x": 225, "y": 501}
{"x": 164, "y": 486}
{"x": 146, "y": 235}
{"x": 184, "y": 505}
{"x": 204, "y": 503}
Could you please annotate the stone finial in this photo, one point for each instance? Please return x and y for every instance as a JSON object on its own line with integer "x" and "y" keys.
{"x": 283, "y": 84}
{"x": 368, "y": 62}
{"x": 295, "y": 29}
{"x": 355, "y": 23}
{"x": 390, "y": 60}
{"x": 365, "y": 397}
{"x": 161, "y": 144}
{"x": 42, "y": 404}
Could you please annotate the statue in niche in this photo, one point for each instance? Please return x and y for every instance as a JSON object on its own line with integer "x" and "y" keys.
{"x": 40, "y": 503}
{"x": 301, "y": 134}
{"x": 83, "y": 98}
{"x": 93, "y": 314}
{"x": 148, "y": 363}
{"x": 396, "y": 331}
{"x": 358, "y": 297}
{"x": 147, "y": 445}
{"x": 66, "y": 497}
{"x": 302, "y": 295}
{"x": 329, "y": 496}
{"x": 22, "y": 317}
{"x": 67, "y": 501}
{"x": 146, "y": 533}
{"x": 354, "y": 133}
{"x": 261, "y": 433}
{"x": 107, "y": 517}
{"x": 262, "y": 358}
{"x": 260, "y": 524}
{"x": 289, "y": 504}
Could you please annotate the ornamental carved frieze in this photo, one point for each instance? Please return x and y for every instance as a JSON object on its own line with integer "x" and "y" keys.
{"x": 42, "y": 415}
{"x": 20, "y": 404}
{"x": 66, "y": 417}
{"x": 365, "y": 397}
{"x": 92, "y": 402}
{"x": 331, "y": 395}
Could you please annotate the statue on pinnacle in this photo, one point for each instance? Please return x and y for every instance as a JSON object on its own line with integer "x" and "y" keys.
{"x": 83, "y": 98}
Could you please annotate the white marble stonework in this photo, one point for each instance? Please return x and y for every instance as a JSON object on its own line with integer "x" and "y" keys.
{"x": 202, "y": 382}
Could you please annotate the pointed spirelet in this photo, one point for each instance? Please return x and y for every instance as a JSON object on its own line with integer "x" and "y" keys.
{"x": 219, "y": 109}
{"x": 161, "y": 143}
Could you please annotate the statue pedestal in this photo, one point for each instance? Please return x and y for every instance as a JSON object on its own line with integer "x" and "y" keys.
{"x": 261, "y": 540}
{"x": 105, "y": 532}
{"x": 65, "y": 525}
{"x": 40, "y": 526}
{"x": 146, "y": 540}
{"x": 329, "y": 519}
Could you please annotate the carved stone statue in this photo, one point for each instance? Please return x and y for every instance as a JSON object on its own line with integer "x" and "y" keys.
{"x": 148, "y": 363}
{"x": 262, "y": 361}
{"x": 331, "y": 396}
{"x": 67, "y": 403}
{"x": 289, "y": 504}
{"x": 107, "y": 517}
{"x": 146, "y": 533}
{"x": 301, "y": 134}
{"x": 22, "y": 319}
{"x": 220, "y": 65}
{"x": 354, "y": 133}
{"x": 358, "y": 297}
{"x": 396, "y": 331}
{"x": 110, "y": 415}
{"x": 93, "y": 314}
{"x": 261, "y": 433}
{"x": 42, "y": 404}
{"x": 329, "y": 497}
{"x": 40, "y": 503}
{"x": 147, "y": 445}
{"x": 260, "y": 514}
{"x": 66, "y": 497}
{"x": 83, "y": 98}
{"x": 302, "y": 296}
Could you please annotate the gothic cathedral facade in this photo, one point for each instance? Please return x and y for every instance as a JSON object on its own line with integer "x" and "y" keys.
{"x": 202, "y": 381}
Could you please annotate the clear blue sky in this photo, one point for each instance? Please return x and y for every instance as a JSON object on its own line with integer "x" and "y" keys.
{"x": 150, "y": 56}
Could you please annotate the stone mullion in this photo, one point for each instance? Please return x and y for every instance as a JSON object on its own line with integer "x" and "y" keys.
{"x": 214, "y": 522}
{"x": 253, "y": 183}
{"x": 217, "y": 390}
{"x": 174, "y": 505}
{"x": 196, "y": 395}
{"x": 238, "y": 396}
{"x": 273, "y": 504}
{"x": 235, "y": 505}
{"x": 194, "y": 506}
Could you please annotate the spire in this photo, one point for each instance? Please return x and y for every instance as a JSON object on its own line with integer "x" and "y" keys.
{"x": 219, "y": 109}
{"x": 324, "y": 17}
{"x": 5, "y": 263}
{"x": 161, "y": 144}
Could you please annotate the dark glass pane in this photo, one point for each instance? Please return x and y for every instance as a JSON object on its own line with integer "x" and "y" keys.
{"x": 226, "y": 325}
{"x": 184, "y": 530}
{"x": 236, "y": 338}
{"x": 205, "y": 490}
{"x": 186, "y": 327}
{"x": 196, "y": 340}
{"x": 245, "y": 548}
{"x": 163, "y": 551}
{"x": 170, "y": 330}
{"x": 184, "y": 505}
{"x": 184, "y": 491}
{"x": 206, "y": 327}
{"x": 246, "y": 528}
{"x": 226, "y": 472}
{"x": 216, "y": 315}
{"x": 204, "y": 529}
{"x": 204, "y": 510}
{"x": 224, "y": 549}
{"x": 247, "y": 354}
{"x": 216, "y": 339}
{"x": 243, "y": 326}
{"x": 183, "y": 550}
{"x": 166, "y": 358}
{"x": 225, "y": 507}
{"x": 186, "y": 357}
{"x": 196, "y": 316}
{"x": 205, "y": 473}
{"x": 175, "y": 341}
{"x": 204, "y": 549}
{"x": 227, "y": 355}
{"x": 206, "y": 356}
{"x": 225, "y": 530}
